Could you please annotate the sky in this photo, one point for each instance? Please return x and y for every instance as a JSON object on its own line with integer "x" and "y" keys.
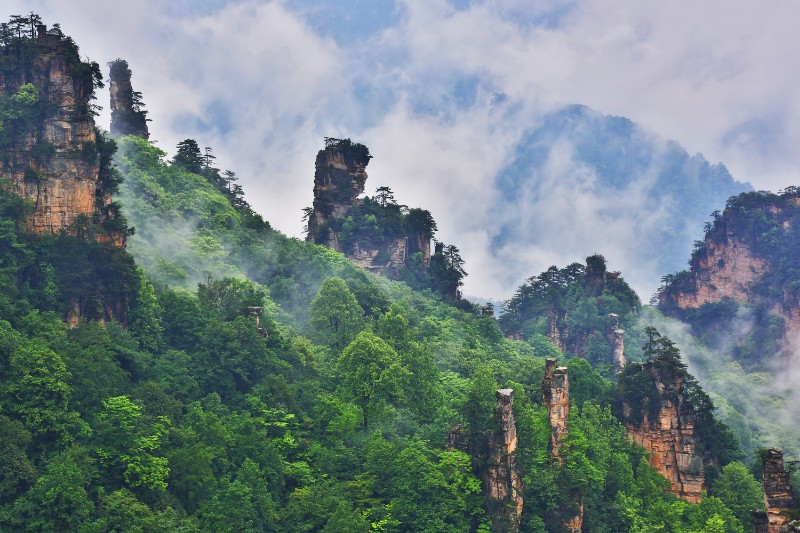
{"x": 442, "y": 90}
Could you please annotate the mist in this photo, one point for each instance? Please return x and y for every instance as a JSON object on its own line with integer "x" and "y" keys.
{"x": 760, "y": 407}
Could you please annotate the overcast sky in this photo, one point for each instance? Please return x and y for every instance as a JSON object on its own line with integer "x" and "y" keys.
{"x": 442, "y": 90}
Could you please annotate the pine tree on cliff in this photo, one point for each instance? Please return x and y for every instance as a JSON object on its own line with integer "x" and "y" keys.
{"x": 189, "y": 157}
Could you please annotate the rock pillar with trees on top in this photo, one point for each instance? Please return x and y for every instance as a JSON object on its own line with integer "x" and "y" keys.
{"x": 127, "y": 114}
{"x": 555, "y": 396}
{"x": 779, "y": 498}
{"x": 502, "y": 482}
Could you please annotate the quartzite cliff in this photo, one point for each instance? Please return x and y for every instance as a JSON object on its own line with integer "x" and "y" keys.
{"x": 746, "y": 257}
{"x": 53, "y": 157}
{"x": 780, "y": 501}
{"x": 376, "y": 233}
{"x": 664, "y": 425}
{"x": 555, "y": 396}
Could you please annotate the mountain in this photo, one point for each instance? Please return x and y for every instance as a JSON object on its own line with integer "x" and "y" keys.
{"x": 608, "y": 186}
{"x": 211, "y": 374}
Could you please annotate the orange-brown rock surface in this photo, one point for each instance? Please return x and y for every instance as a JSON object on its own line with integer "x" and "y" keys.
{"x": 779, "y": 498}
{"x": 555, "y": 396}
{"x": 731, "y": 264}
{"x": 502, "y": 483}
{"x": 727, "y": 270}
{"x": 54, "y": 161}
{"x": 669, "y": 436}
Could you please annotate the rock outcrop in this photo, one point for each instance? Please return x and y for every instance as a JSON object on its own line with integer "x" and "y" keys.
{"x": 53, "y": 158}
{"x": 376, "y": 233}
{"x": 502, "y": 483}
{"x": 665, "y": 426}
{"x": 727, "y": 269}
{"x": 127, "y": 115}
{"x": 339, "y": 179}
{"x": 779, "y": 498}
{"x": 737, "y": 259}
{"x": 555, "y": 396}
{"x": 616, "y": 337}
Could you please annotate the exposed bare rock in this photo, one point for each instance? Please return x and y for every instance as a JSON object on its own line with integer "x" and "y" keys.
{"x": 555, "y": 396}
{"x": 370, "y": 258}
{"x": 616, "y": 337}
{"x": 54, "y": 162}
{"x": 728, "y": 269}
{"x": 779, "y": 498}
{"x": 339, "y": 179}
{"x": 557, "y": 334}
{"x": 127, "y": 115}
{"x": 555, "y": 393}
{"x": 502, "y": 483}
{"x": 669, "y": 435}
{"x": 732, "y": 263}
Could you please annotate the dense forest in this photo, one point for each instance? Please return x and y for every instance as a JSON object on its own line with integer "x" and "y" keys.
{"x": 216, "y": 375}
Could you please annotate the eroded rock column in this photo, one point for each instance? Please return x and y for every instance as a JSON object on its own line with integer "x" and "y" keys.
{"x": 502, "y": 484}
{"x": 555, "y": 396}
{"x": 779, "y": 498}
{"x": 670, "y": 436}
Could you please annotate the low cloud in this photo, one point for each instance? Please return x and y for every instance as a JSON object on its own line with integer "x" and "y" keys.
{"x": 442, "y": 92}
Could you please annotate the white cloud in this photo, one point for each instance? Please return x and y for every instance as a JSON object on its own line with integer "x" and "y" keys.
{"x": 254, "y": 81}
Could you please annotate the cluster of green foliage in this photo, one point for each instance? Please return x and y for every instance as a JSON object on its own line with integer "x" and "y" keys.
{"x": 378, "y": 222}
{"x": 190, "y": 420}
{"x": 355, "y": 151}
{"x": 579, "y": 300}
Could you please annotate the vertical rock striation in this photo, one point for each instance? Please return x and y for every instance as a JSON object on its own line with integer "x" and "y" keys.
{"x": 502, "y": 483}
{"x": 616, "y": 337}
{"x": 779, "y": 498}
{"x": 665, "y": 426}
{"x": 53, "y": 159}
{"x": 127, "y": 115}
{"x": 339, "y": 179}
{"x": 555, "y": 396}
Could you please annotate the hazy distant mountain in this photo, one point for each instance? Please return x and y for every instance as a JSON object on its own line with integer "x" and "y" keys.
{"x": 620, "y": 190}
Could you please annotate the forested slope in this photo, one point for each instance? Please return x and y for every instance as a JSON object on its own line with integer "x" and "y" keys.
{"x": 333, "y": 418}
{"x": 216, "y": 375}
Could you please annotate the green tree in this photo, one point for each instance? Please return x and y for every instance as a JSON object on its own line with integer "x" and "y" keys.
{"x": 336, "y": 317}
{"x": 59, "y": 500}
{"x": 127, "y": 445}
{"x": 188, "y": 157}
{"x": 37, "y": 391}
{"x": 372, "y": 373}
{"x": 739, "y": 491}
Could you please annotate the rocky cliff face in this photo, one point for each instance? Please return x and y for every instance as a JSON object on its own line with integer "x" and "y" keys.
{"x": 727, "y": 269}
{"x": 779, "y": 498}
{"x": 738, "y": 259}
{"x": 375, "y": 233}
{"x": 502, "y": 483}
{"x": 127, "y": 115}
{"x": 53, "y": 160}
{"x": 339, "y": 179}
{"x": 668, "y": 433}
